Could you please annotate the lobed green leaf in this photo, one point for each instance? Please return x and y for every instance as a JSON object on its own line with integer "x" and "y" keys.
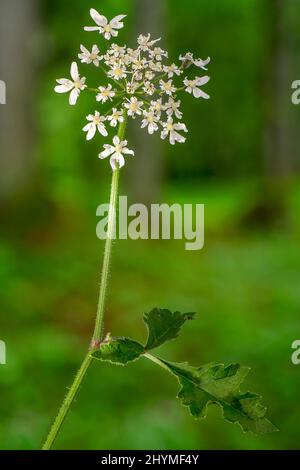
{"x": 164, "y": 326}
{"x": 217, "y": 384}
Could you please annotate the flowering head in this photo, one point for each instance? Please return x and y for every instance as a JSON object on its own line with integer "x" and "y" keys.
{"x": 140, "y": 83}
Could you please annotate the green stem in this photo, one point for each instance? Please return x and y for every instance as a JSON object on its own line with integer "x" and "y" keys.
{"x": 99, "y": 325}
{"x": 64, "y": 410}
{"x": 156, "y": 360}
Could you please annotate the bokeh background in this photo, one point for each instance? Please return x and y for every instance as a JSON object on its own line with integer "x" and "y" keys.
{"x": 240, "y": 160}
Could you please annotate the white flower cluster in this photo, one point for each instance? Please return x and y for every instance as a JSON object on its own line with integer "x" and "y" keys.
{"x": 140, "y": 83}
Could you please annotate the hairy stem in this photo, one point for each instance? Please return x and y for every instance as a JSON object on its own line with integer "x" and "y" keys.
{"x": 99, "y": 325}
{"x": 68, "y": 401}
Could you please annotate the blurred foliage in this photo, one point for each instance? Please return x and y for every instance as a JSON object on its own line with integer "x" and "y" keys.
{"x": 244, "y": 285}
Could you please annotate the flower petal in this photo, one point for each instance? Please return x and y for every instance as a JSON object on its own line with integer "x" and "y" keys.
{"x": 91, "y": 28}
{"x": 102, "y": 130}
{"x": 198, "y": 93}
{"x": 117, "y": 161}
{"x": 202, "y": 80}
{"x": 74, "y": 96}
{"x": 92, "y": 131}
{"x": 202, "y": 63}
{"x": 100, "y": 20}
{"x": 74, "y": 72}
{"x": 116, "y": 140}
{"x": 109, "y": 150}
{"x": 126, "y": 151}
{"x": 117, "y": 23}
{"x": 63, "y": 88}
{"x": 87, "y": 127}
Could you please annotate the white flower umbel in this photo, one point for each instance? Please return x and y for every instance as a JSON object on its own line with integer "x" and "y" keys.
{"x": 108, "y": 29}
{"x": 95, "y": 123}
{"x": 192, "y": 87}
{"x": 171, "y": 129}
{"x": 88, "y": 57}
{"x": 139, "y": 82}
{"x": 115, "y": 118}
{"x": 116, "y": 153}
{"x": 75, "y": 86}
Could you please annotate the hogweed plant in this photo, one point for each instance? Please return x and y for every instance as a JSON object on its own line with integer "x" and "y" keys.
{"x": 142, "y": 84}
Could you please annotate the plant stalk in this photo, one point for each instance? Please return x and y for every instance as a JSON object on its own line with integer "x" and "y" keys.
{"x": 156, "y": 361}
{"x": 99, "y": 324}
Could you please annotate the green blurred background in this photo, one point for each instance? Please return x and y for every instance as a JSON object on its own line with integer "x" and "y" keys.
{"x": 240, "y": 160}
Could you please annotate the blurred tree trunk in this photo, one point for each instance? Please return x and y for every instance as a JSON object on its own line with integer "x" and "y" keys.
{"x": 280, "y": 154}
{"x": 279, "y": 138}
{"x": 146, "y": 174}
{"x": 18, "y": 21}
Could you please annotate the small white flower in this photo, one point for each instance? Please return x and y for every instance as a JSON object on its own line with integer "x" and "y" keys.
{"x": 139, "y": 64}
{"x": 118, "y": 72}
{"x": 88, "y": 57}
{"x": 134, "y": 107}
{"x": 145, "y": 43}
{"x": 149, "y": 75}
{"x": 149, "y": 88}
{"x": 167, "y": 87}
{"x": 116, "y": 50}
{"x": 158, "y": 53}
{"x": 171, "y": 130}
{"x": 75, "y": 86}
{"x": 156, "y": 66}
{"x": 192, "y": 87}
{"x": 187, "y": 60}
{"x": 115, "y": 117}
{"x": 103, "y": 26}
{"x": 150, "y": 121}
{"x": 171, "y": 70}
{"x": 95, "y": 123}
{"x": 116, "y": 153}
{"x": 173, "y": 107}
{"x": 132, "y": 87}
{"x": 106, "y": 93}
{"x": 157, "y": 106}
